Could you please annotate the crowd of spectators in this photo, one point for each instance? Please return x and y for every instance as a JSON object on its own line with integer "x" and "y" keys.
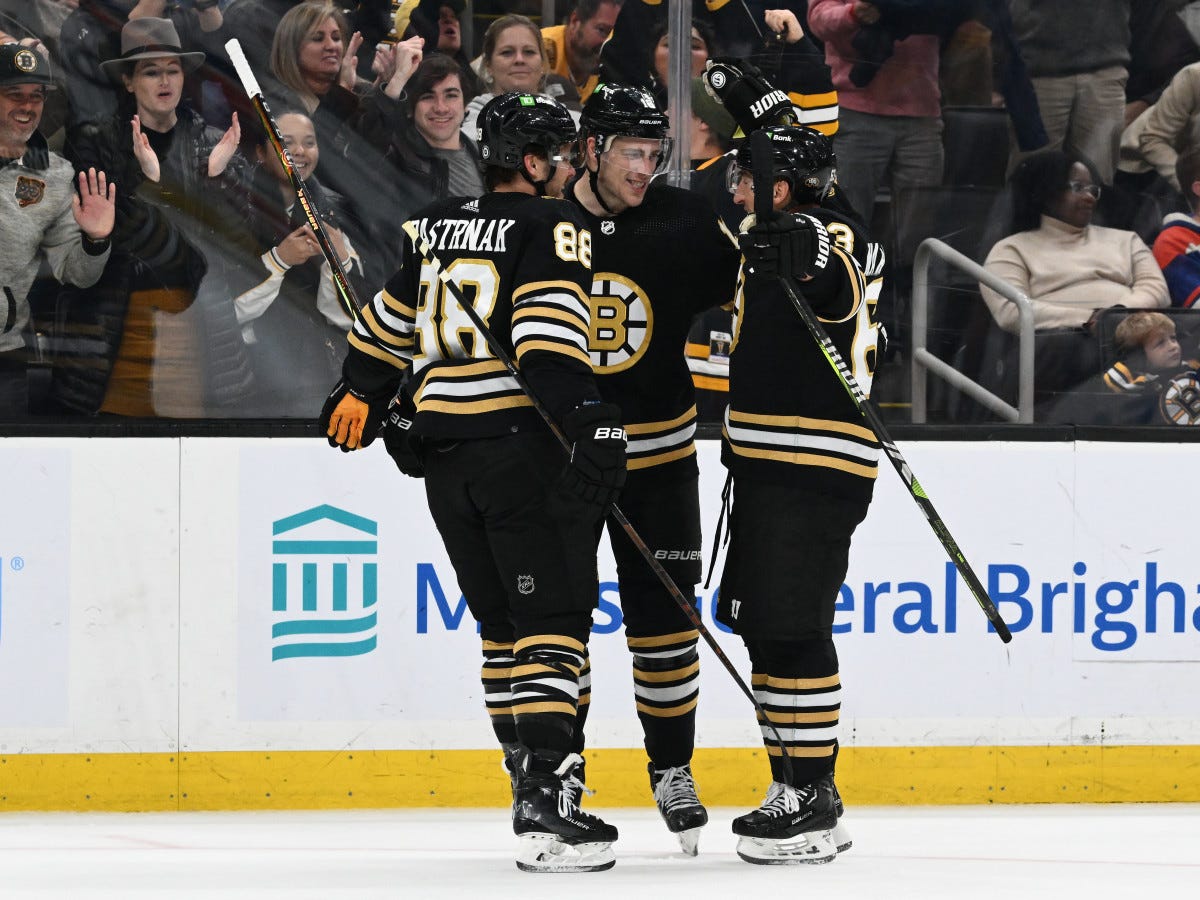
{"x": 209, "y": 295}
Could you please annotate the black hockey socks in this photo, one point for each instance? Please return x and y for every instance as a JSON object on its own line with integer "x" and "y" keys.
{"x": 498, "y": 660}
{"x": 797, "y": 684}
{"x": 666, "y": 687}
{"x": 545, "y": 691}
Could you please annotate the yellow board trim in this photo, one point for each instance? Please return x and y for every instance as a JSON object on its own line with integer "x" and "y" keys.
{"x": 375, "y": 779}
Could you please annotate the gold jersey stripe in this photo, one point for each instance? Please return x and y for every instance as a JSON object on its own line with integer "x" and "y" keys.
{"x": 473, "y": 407}
{"x": 796, "y": 684}
{"x": 570, "y": 350}
{"x": 398, "y": 306}
{"x": 555, "y": 641}
{"x": 524, "y": 709}
{"x": 662, "y": 640}
{"x": 645, "y": 462}
{"x": 377, "y": 352}
{"x": 795, "y": 422}
{"x": 467, "y": 371}
{"x": 535, "y": 670}
{"x": 496, "y": 645}
{"x": 671, "y": 712}
{"x": 550, "y": 312}
{"x": 804, "y": 459}
{"x": 806, "y": 752}
{"x": 710, "y": 383}
{"x": 669, "y": 675}
{"x": 650, "y": 427}
{"x": 802, "y": 718}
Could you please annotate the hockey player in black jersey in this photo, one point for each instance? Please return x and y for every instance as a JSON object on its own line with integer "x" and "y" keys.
{"x": 520, "y": 536}
{"x": 803, "y": 464}
{"x": 659, "y": 257}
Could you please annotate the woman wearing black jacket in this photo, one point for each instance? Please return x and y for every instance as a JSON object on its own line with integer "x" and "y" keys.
{"x": 161, "y": 337}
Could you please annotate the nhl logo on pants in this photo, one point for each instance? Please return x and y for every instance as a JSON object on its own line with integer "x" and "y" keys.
{"x": 525, "y": 584}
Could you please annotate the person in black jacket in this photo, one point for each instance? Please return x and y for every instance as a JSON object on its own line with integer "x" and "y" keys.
{"x": 165, "y": 339}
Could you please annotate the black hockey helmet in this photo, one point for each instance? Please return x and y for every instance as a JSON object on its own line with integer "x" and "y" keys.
{"x": 801, "y": 156}
{"x": 615, "y": 110}
{"x": 512, "y": 122}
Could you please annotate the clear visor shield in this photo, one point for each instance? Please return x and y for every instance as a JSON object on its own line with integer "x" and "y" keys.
{"x": 648, "y": 156}
{"x": 567, "y": 155}
{"x": 817, "y": 183}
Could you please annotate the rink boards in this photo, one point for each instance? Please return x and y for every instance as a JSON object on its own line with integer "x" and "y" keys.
{"x": 216, "y": 623}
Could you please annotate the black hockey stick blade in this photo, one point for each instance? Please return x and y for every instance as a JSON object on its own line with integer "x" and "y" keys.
{"x": 760, "y": 149}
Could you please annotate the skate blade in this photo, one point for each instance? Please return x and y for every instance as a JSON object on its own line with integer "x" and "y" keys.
{"x": 841, "y": 837}
{"x": 546, "y": 853}
{"x": 689, "y": 841}
{"x": 809, "y": 848}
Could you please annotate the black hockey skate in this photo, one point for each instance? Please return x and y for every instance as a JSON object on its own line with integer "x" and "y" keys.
{"x": 556, "y": 835}
{"x": 841, "y": 834}
{"x": 675, "y": 794}
{"x": 793, "y": 825}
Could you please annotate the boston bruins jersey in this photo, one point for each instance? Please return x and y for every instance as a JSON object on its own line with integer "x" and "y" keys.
{"x": 790, "y": 420}
{"x": 522, "y": 262}
{"x": 654, "y": 267}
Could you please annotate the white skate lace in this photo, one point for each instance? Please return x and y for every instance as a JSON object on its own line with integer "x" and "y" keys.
{"x": 782, "y": 800}
{"x": 675, "y": 789}
{"x": 572, "y": 788}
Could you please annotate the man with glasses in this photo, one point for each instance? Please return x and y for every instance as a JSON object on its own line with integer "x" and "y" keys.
{"x": 40, "y": 213}
{"x": 659, "y": 257}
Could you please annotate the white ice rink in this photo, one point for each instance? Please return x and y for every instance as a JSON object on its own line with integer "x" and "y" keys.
{"x": 1131, "y": 852}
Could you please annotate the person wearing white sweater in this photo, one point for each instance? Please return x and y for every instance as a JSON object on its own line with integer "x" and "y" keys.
{"x": 1069, "y": 268}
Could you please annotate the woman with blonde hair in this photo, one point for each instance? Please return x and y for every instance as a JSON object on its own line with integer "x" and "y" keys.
{"x": 313, "y": 55}
{"x": 514, "y": 59}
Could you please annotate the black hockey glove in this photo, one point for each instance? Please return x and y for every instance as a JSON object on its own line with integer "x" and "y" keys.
{"x": 796, "y": 246}
{"x": 405, "y": 448}
{"x": 377, "y": 406}
{"x": 595, "y": 473}
{"x": 744, "y": 91}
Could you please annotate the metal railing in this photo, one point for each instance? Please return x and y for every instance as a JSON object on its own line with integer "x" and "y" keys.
{"x": 925, "y": 362}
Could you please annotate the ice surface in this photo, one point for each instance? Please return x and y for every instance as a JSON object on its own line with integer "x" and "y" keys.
{"x": 1129, "y": 851}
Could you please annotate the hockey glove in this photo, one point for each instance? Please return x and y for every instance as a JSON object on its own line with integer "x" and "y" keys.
{"x": 744, "y": 91}
{"x": 595, "y": 473}
{"x": 405, "y": 448}
{"x": 349, "y": 419}
{"x": 796, "y": 246}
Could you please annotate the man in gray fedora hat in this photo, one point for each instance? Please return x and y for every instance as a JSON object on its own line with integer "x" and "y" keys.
{"x": 40, "y": 213}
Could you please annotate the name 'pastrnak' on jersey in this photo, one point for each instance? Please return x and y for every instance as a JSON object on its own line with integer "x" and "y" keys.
{"x": 522, "y": 263}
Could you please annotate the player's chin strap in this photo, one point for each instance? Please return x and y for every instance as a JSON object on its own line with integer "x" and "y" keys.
{"x": 538, "y": 185}
{"x": 593, "y": 181}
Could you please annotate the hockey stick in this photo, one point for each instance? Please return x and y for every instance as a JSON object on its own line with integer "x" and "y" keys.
{"x": 345, "y": 292}
{"x": 684, "y": 603}
{"x": 764, "y": 182}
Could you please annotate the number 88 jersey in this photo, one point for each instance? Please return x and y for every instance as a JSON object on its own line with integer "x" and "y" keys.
{"x": 523, "y": 265}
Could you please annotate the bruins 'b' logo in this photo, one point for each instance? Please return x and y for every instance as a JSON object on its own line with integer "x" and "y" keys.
{"x": 622, "y": 323}
{"x": 1180, "y": 401}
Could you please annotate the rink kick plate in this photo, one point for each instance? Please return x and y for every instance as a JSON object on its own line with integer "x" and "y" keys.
{"x": 372, "y": 779}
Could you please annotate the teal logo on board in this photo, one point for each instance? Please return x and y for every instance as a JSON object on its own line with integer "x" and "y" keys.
{"x": 324, "y": 584}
